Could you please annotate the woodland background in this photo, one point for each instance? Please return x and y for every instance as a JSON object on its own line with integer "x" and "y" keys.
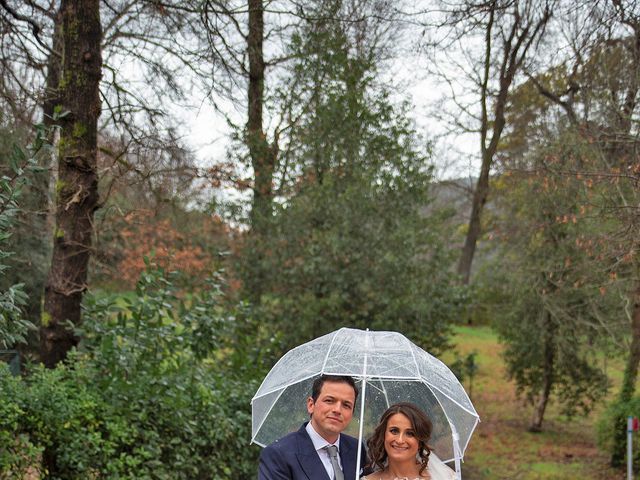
{"x": 149, "y": 289}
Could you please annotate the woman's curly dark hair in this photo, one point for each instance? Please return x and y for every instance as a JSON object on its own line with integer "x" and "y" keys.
{"x": 422, "y": 428}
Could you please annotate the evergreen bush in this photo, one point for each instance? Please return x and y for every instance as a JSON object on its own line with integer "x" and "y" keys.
{"x": 617, "y": 413}
{"x": 158, "y": 389}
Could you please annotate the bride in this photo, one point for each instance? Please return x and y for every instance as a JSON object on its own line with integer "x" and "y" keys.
{"x": 398, "y": 448}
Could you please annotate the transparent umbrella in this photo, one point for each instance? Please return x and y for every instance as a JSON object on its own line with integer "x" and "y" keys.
{"x": 388, "y": 367}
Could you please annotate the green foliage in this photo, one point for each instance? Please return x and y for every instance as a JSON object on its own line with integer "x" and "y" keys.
{"x": 155, "y": 391}
{"x": 555, "y": 299}
{"x": 611, "y": 428}
{"x": 13, "y": 327}
{"x": 354, "y": 240}
{"x": 465, "y": 369}
{"x": 17, "y": 452}
{"x": 365, "y": 257}
{"x": 55, "y": 412}
{"x": 16, "y": 176}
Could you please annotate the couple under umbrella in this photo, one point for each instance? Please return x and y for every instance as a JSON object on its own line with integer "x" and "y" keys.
{"x": 387, "y": 369}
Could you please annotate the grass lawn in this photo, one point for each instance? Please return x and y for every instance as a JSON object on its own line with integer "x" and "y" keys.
{"x": 502, "y": 448}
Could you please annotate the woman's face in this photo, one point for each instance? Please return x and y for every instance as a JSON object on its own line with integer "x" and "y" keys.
{"x": 400, "y": 441}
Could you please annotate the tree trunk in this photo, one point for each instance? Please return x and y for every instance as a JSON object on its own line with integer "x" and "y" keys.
{"x": 481, "y": 191}
{"x": 548, "y": 376}
{"x": 618, "y": 455}
{"x": 480, "y": 195}
{"x": 77, "y": 185}
{"x": 54, "y": 67}
{"x": 263, "y": 155}
{"x": 516, "y": 41}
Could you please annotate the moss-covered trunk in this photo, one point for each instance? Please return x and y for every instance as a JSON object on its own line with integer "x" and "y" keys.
{"x": 77, "y": 185}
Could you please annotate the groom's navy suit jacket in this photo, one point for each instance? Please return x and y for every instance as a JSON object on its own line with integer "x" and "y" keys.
{"x": 294, "y": 457}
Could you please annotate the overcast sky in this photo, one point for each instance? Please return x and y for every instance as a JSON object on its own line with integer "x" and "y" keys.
{"x": 455, "y": 155}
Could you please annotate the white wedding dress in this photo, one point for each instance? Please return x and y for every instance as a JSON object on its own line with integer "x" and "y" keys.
{"x": 437, "y": 469}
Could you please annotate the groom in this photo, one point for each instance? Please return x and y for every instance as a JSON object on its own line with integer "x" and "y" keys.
{"x": 305, "y": 454}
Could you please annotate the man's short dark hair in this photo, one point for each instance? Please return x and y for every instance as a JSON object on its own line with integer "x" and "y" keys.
{"x": 318, "y": 382}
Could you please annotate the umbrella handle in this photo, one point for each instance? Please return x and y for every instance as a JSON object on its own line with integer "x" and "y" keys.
{"x": 457, "y": 454}
{"x": 360, "y": 428}
{"x": 363, "y": 396}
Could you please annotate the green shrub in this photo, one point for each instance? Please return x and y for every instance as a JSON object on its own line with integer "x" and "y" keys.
{"x": 617, "y": 412}
{"x": 17, "y": 167}
{"x": 17, "y": 452}
{"x": 156, "y": 390}
{"x": 63, "y": 416}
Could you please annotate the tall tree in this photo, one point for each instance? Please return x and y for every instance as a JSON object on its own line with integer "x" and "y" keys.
{"x": 263, "y": 154}
{"x": 77, "y": 184}
{"x": 139, "y": 32}
{"x": 554, "y": 304}
{"x": 291, "y": 98}
{"x": 496, "y": 40}
{"x": 597, "y": 87}
{"x": 354, "y": 238}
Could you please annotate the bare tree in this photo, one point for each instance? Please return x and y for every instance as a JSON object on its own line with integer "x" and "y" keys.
{"x": 164, "y": 42}
{"x": 492, "y": 43}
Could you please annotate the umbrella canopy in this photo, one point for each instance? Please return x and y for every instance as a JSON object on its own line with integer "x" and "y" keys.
{"x": 389, "y": 369}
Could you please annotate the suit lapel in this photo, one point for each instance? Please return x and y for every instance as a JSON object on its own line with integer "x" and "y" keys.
{"x": 309, "y": 459}
{"x": 348, "y": 459}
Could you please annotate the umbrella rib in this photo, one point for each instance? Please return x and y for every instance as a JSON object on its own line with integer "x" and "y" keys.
{"x": 473, "y": 412}
{"x": 413, "y": 356}
{"x": 379, "y": 389}
{"x": 386, "y": 394}
{"x": 326, "y": 357}
{"x": 364, "y": 394}
{"x": 444, "y": 411}
{"x": 466, "y": 444}
{"x": 275, "y": 366}
{"x": 265, "y": 417}
{"x": 282, "y": 387}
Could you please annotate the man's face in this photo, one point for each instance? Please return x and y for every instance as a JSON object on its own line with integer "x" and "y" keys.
{"x": 332, "y": 411}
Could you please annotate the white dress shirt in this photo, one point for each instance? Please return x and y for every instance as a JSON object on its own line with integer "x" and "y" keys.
{"x": 319, "y": 443}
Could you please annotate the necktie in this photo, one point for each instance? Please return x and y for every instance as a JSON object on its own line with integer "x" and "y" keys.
{"x": 332, "y": 450}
